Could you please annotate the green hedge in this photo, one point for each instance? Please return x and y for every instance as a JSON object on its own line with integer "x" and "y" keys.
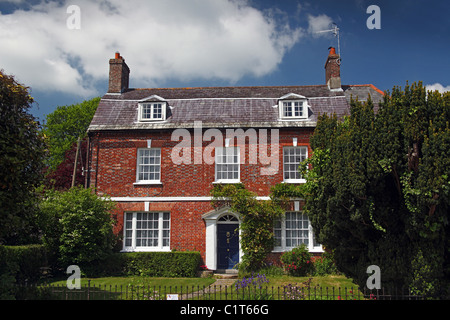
{"x": 153, "y": 264}
{"x": 163, "y": 264}
{"x": 23, "y": 263}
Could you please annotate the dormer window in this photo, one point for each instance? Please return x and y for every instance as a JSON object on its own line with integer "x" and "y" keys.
{"x": 152, "y": 109}
{"x": 293, "y": 107}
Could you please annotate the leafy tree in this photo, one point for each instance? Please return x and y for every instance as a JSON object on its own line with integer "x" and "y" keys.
{"x": 77, "y": 226}
{"x": 377, "y": 189}
{"x": 61, "y": 177}
{"x": 22, "y": 150}
{"x": 64, "y": 126}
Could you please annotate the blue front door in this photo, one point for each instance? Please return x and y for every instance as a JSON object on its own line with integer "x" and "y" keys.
{"x": 227, "y": 245}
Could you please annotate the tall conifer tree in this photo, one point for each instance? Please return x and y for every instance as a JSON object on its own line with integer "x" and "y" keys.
{"x": 378, "y": 189}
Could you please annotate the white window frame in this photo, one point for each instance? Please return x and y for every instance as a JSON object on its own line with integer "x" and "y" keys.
{"x": 301, "y": 103}
{"x": 219, "y": 161}
{"x": 282, "y": 229}
{"x": 132, "y": 226}
{"x": 152, "y": 113}
{"x": 139, "y": 166}
{"x": 289, "y": 179}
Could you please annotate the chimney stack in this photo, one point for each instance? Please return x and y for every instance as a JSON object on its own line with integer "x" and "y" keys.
{"x": 118, "y": 74}
{"x": 333, "y": 70}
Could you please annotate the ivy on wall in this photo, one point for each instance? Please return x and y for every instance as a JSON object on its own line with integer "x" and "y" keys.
{"x": 257, "y": 218}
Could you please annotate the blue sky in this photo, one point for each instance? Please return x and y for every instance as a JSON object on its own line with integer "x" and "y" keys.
{"x": 190, "y": 43}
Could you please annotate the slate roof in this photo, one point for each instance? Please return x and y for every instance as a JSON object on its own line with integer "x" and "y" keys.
{"x": 224, "y": 106}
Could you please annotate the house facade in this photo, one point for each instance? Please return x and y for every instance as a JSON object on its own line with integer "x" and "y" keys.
{"x": 158, "y": 152}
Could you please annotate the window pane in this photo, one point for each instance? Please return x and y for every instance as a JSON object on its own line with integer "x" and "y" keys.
{"x": 146, "y": 232}
{"x": 277, "y": 238}
{"x": 292, "y": 157}
{"x": 146, "y": 111}
{"x": 152, "y": 111}
{"x": 157, "y": 111}
{"x": 296, "y": 229}
{"x": 298, "y": 110}
{"x": 227, "y": 163}
{"x": 315, "y": 243}
{"x": 294, "y": 109}
{"x": 128, "y": 229}
{"x": 287, "y": 109}
{"x": 150, "y": 228}
{"x": 149, "y": 164}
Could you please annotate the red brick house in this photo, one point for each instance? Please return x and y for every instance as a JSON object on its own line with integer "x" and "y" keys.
{"x": 159, "y": 152}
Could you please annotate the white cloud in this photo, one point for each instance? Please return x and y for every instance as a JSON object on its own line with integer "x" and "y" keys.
{"x": 437, "y": 86}
{"x": 160, "y": 40}
{"x": 319, "y": 23}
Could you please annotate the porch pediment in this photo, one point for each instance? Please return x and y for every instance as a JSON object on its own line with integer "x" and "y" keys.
{"x": 217, "y": 213}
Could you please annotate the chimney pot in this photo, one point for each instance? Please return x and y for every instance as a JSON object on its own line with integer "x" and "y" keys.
{"x": 117, "y": 55}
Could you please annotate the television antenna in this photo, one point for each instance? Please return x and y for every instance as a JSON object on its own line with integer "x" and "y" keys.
{"x": 335, "y": 31}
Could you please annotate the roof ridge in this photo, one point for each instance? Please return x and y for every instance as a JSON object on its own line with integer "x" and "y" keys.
{"x": 225, "y": 87}
{"x": 367, "y": 85}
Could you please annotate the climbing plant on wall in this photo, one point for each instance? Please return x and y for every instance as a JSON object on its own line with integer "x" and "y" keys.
{"x": 257, "y": 237}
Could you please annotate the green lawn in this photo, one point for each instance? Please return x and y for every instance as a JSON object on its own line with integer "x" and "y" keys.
{"x": 329, "y": 287}
{"x": 322, "y": 287}
{"x": 126, "y": 288}
{"x": 140, "y": 281}
{"x": 157, "y": 288}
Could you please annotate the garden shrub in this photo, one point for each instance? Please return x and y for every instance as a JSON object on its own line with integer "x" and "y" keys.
{"x": 297, "y": 262}
{"x": 22, "y": 263}
{"x": 163, "y": 264}
{"x": 324, "y": 264}
{"x": 425, "y": 273}
{"x": 77, "y": 226}
{"x": 152, "y": 264}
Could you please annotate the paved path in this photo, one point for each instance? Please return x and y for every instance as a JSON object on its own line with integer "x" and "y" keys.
{"x": 215, "y": 287}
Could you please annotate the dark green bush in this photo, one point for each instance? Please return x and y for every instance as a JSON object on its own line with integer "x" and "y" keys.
{"x": 153, "y": 264}
{"x": 23, "y": 263}
{"x": 20, "y": 264}
{"x": 163, "y": 264}
{"x": 324, "y": 264}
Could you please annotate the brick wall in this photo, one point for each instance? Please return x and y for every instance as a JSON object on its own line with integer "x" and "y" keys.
{"x": 187, "y": 228}
{"x": 113, "y": 161}
{"x": 113, "y": 164}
